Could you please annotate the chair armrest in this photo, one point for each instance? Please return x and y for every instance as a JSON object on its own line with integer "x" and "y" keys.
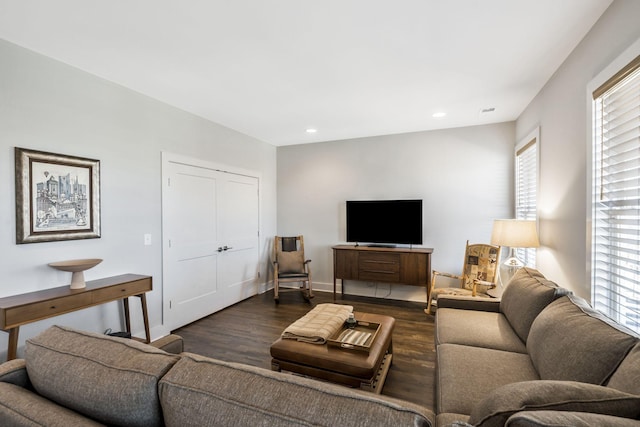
{"x": 451, "y": 276}
{"x": 483, "y": 283}
{"x": 15, "y": 372}
{"x": 477, "y": 282}
{"x": 463, "y": 302}
{"x": 307, "y": 261}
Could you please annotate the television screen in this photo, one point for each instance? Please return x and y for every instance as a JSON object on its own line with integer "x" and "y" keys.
{"x": 384, "y": 221}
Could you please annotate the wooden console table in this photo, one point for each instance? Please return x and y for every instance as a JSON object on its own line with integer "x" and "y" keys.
{"x": 26, "y": 308}
{"x": 375, "y": 264}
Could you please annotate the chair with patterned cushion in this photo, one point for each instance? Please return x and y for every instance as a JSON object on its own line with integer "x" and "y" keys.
{"x": 290, "y": 266}
{"x": 479, "y": 274}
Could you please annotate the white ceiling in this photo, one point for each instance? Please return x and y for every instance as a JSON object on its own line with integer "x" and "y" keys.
{"x": 350, "y": 68}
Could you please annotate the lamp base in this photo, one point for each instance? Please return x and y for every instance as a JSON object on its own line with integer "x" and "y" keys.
{"x": 513, "y": 261}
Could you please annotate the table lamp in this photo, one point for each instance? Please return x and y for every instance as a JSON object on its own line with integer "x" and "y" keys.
{"x": 514, "y": 233}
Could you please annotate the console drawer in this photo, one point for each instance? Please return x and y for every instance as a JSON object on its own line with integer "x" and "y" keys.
{"x": 379, "y": 267}
{"x": 123, "y": 289}
{"x": 41, "y": 310}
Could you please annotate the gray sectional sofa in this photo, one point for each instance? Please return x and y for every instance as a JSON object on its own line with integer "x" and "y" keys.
{"x": 73, "y": 378}
{"x": 538, "y": 357}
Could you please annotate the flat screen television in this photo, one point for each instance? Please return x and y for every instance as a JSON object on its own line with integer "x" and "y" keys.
{"x": 386, "y": 222}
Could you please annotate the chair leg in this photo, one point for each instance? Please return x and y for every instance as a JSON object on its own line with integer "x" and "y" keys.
{"x": 309, "y": 287}
{"x": 429, "y": 302}
{"x": 430, "y": 293}
{"x": 276, "y": 295}
{"x": 306, "y": 291}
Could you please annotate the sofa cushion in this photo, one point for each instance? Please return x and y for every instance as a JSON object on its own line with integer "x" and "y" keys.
{"x": 467, "y": 374}
{"x": 113, "y": 380}
{"x": 501, "y": 403}
{"x": 21, "y": 407}
{"x": 627, "y": 377}
{"x": 199, "y": 391}
{"x": 571, "y": 341}
{"x": 567, "y": 419}
{"x": 476, "y": 328}
{"x": 526, "y": 295}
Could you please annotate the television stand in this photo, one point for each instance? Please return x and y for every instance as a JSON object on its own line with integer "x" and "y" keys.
{"x": 407, "y": 266}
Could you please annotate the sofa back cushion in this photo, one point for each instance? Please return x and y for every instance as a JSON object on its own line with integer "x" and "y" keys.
{"x": 526, "y": 295}
{"x": 209, "y": 392}
{"x": 112, "y": 380}
{"x": 627, "y": 377}
{"x": 571, "y": 341}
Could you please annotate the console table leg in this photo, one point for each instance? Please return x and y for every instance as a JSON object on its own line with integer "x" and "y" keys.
{"x": 12, "y": 347}
{"x": 145, "y": 317}
{"x": 127, "y": 318}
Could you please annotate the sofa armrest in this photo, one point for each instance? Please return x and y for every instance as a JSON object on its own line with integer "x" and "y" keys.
{"x": 15, "y": 372}
{"x": 171, "y": 344}
{"x": 463, "y": 302}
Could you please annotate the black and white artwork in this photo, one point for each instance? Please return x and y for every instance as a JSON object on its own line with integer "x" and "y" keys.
{"x": 57, "y": 197}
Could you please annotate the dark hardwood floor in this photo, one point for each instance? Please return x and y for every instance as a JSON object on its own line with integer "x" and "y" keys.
{"x": 245, "y": 331}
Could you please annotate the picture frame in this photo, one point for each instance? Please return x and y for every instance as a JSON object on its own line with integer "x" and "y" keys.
{"x": 57, "y": 197}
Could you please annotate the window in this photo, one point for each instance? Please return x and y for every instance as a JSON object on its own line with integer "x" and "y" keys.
{"x": 615, "y": 240}
{"x": 526, "y": 166}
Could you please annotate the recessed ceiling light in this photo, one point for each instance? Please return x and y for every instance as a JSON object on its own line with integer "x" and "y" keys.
{"x": 312, "y": 130}
{"x": 439, "y": 115}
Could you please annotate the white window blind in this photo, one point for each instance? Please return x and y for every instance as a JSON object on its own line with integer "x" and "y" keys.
{"x": 526, "y": 192}
{"x": 616, "y": 197}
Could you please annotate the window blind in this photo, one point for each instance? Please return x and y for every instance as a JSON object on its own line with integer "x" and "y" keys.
{"x": 526, "y": 192}
{"x": 616, "y": 197}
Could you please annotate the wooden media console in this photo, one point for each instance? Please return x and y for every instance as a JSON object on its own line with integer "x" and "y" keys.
{"x": 408, "y": 266}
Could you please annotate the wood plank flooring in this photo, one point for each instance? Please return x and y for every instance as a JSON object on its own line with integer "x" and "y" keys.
{"x": 244, "y": 332}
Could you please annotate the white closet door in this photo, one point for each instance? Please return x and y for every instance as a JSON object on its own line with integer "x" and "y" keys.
{"x": 238, "y": 213}
{"x": 210, "y": 241}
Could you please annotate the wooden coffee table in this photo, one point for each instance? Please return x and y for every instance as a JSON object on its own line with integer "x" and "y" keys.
{"x": 343, "y": 366}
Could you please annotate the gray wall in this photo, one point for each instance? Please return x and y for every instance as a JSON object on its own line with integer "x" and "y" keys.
{"x": 463, "y": 175}
{"x": 49, "y": 106}
{"x": 560, "y": 109}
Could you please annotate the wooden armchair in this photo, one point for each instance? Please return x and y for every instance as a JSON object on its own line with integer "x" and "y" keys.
{"x": 480, "y": 273}
{"x": 290, "y": 265}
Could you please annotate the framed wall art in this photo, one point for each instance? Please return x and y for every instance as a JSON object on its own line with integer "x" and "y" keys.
{"x": 57, "y": 197}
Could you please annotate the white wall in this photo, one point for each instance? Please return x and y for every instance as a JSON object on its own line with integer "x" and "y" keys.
{"x": 560, "y": 109}
{"x": 463, "y": 175}
{"x": 49, "y": 106}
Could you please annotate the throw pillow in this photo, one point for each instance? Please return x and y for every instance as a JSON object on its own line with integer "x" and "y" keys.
{"x": 541, "y": 395}
{"x": 570, "y": 341}
{"x": 526, "y": 295}
{"x": 290, "y": 262}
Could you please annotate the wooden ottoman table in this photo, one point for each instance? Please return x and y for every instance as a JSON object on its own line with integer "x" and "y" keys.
{"x": 352, "y": 368}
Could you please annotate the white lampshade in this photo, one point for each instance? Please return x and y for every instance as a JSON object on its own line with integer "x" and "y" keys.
{"x": 515, "y": 233}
